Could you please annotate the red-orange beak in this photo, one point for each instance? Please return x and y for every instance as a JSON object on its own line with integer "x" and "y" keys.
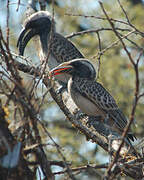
{"x": 63, "y": 68}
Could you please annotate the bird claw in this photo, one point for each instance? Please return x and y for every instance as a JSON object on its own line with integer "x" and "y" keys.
{"x": 80, "y": 115}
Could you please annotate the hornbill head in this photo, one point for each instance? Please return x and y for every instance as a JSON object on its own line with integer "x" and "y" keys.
{"x": 39, "y": 23}
{"x": 75, "y": 68}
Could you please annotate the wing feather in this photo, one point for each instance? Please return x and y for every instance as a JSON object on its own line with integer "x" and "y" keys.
{"x": 63, "y": 49}
{"x": 103, "y": 100}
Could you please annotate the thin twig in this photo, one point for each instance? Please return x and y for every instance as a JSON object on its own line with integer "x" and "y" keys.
{"x": 112, "y": 44}
{"x": 96, "y": 17}
{"x": 128, "y": 21}
{"x": 95, "y": 31}
{"x": 18, "y": 4}
{"x": 99, "y": 55}
{"x": 84, "y": 168}
{"x": 7, "y": 25}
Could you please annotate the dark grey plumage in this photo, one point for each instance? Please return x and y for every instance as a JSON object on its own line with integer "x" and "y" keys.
{"x": 90, "y": 96}
{"x": 40, "y": 24}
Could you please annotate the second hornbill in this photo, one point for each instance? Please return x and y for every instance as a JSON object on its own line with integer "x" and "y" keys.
{"x": 89, "y": 95}
{"x": 61, "y": 49}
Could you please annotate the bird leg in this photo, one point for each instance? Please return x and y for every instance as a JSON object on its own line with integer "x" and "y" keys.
{"x": 80, "y": 115}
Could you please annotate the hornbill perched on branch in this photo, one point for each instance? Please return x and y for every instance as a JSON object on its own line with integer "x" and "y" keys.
{"x": 89, "y": 95}
{"x": 61, "y": 49}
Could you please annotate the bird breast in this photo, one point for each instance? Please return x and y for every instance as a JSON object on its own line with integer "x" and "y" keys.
{"x": 52, "y": 63}
{"x": 85, "y": 104}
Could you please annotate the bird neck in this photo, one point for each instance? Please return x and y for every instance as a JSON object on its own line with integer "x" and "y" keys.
{"x": 88, "y": 75}
{"x": 46, "y": 41}
{"x": 77, "y": 78}
{"x": 74, "y": 83}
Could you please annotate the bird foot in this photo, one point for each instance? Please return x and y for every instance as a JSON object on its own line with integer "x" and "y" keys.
{"x": 92, "y": 120}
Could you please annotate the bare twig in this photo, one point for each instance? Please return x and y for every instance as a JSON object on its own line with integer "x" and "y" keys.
{"x": 128, "y": 21}
{"x": 96, "y": 31}
{"x": 97, "y": 17}
{"x": 7, "y": 28}
{"x": 18, "y": 4}
{"x": 113, "y": 44}
{"x": 99, "y": 54}
{"x": 84, "y": 168}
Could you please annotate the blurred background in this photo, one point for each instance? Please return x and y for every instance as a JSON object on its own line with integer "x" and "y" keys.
{"x": 115, "y": 71}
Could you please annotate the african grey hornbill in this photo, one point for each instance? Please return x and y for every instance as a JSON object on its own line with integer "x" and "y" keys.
{"x": 61, "y": 49}
{"x": 89, "y": 95}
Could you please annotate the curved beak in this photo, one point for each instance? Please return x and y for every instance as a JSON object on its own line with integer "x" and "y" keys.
{"x": 62, "y": 68}
{"x": 24, "y": 38}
